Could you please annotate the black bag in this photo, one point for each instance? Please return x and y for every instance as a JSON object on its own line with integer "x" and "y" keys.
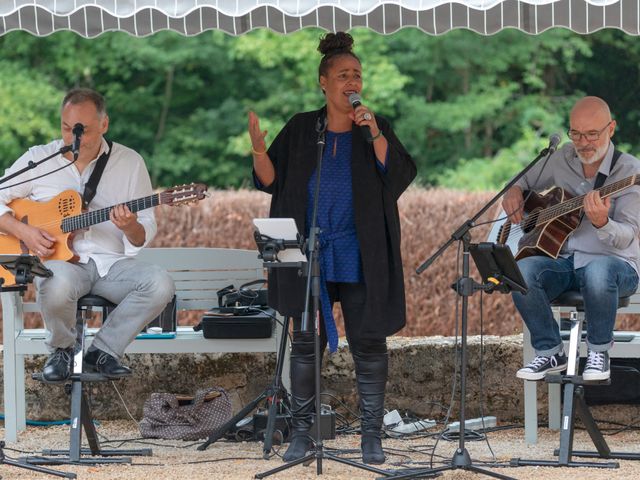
{"x": 243, "y": 296}
{"x": 184, "y": 417}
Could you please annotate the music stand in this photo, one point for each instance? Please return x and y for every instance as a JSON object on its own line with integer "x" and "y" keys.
{"x": 497, "y": 267}
{"x": 275, "y": 393}
{"x": 25, "y": 268}
{"x": 499, "y": 272}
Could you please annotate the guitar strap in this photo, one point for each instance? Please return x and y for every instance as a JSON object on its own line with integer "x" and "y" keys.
{"x": 600, "y": 179}
{"x": 91, "y": 186}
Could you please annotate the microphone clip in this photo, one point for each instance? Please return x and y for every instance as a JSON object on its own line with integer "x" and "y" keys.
{"x": 78, "y": 130}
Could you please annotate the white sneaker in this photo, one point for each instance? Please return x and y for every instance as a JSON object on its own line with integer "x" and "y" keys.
{"x": 597, "y": 366}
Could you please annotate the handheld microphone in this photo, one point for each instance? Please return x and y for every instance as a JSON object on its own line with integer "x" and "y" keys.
{"x": 356, "y": 101}
{"x": 78, "y": 130}
{"x": 554, "y": 141}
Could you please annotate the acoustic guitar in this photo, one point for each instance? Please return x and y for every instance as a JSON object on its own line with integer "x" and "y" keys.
{"x": 62, "y": 216}
{"x": 550, "y": 219}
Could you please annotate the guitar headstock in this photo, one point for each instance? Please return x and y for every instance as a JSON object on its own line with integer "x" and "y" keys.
{"x": 184, "y": 194}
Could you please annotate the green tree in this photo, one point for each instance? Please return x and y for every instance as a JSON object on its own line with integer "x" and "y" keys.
{"x": 29, "y": 109}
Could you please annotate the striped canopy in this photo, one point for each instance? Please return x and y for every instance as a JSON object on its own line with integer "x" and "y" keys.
{"x": 90, "y": 18}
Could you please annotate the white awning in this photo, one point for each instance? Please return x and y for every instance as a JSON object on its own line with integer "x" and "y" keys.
{"x": 90, "y": 18}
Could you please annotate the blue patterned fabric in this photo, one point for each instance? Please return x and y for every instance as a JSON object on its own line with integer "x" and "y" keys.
{"x": 339, "y": 250}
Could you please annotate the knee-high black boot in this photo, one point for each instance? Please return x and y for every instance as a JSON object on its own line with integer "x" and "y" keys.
{"x": 302, "y": 395}
{"x": 371, "y": 375}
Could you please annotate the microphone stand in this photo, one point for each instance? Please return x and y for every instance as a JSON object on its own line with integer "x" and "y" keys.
{"x": 465, "y": 287}
{"x": 31, "y": 165}
{"x": 469, "y": 224}
{"x": 313, "y": 290}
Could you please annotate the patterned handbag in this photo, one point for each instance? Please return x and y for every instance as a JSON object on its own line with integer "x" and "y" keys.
{"x": 184, "y": 417}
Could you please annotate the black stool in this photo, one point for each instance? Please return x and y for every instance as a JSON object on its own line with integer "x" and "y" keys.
{"x": 574, "y": 402}
{"x": 80, "y": 408}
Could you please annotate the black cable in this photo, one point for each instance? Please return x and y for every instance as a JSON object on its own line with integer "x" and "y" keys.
{"x": 469, "y": 436}
{"x": 39, "y": 176}
{"x": 28, "y": 452}
{"x": 216, "y": 460}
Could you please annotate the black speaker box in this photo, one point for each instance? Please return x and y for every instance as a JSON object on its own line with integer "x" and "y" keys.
{"x": 624, "y": 388}
{"x": 238, "y": 322}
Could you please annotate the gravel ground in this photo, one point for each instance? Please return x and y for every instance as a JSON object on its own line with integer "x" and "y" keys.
{"x": 230, "y": 460}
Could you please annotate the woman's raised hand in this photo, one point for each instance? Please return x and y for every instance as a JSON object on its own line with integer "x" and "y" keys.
{"x": 258, "y": 144}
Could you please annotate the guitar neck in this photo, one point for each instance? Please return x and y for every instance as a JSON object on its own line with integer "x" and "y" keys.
{"x": 85, "y": 220}
{"x": 575, "y": 203}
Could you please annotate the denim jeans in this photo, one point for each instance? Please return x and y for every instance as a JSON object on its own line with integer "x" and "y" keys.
{"x": 601, "y": 282}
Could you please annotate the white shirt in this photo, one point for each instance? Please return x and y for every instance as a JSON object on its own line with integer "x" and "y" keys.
{"x": 125, "y": 178}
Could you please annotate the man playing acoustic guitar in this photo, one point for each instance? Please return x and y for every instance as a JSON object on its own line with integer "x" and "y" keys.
{"x": 595, "y": 249}
{"x": 105, "y": 252}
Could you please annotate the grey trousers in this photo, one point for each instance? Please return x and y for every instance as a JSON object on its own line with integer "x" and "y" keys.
{"x": 141, "y": 291}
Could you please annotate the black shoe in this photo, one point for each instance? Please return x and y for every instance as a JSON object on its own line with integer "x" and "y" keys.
{"x": 298, "y": 448}
{"x": 372, "y": 452}
{"x": 98, "y": 361}
{"x": 58, "y": 366}
{"x": 540, "y": 366}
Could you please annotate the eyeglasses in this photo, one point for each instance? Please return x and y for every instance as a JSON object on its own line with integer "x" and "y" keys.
{"x": 590, "y": 136}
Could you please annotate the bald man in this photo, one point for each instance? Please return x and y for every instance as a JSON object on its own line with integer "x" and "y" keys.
{"x": 600, "y": 258}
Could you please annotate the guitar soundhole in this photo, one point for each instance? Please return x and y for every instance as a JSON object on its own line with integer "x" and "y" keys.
{"x": 66, "y": 206}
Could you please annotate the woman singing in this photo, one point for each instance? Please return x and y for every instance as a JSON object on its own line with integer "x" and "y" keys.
{"x": 360, "y": 264}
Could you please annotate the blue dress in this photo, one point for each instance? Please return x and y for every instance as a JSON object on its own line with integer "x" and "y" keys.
{"x": 339, "y": 256}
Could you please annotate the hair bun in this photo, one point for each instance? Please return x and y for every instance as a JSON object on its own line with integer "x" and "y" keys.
{"x": 335, "y": 42}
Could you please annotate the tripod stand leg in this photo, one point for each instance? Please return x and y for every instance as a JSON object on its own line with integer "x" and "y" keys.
{"x": 293, "y": 463}
{"x": 275, "y": 390}
{"x": 279, "y": 392}
{"x": 590, "y": 424}
{"x": 272, "y": 414}
{"x": 38, "y": 469}
{"x": 35, "y": 468}
{"x": 217, "y": 435}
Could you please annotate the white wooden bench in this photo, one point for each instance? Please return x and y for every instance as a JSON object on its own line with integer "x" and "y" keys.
{"x": 198, "y": 273}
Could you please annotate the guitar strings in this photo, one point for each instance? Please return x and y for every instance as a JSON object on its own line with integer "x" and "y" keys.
{"x": 169, "y": 196}
{"x": 102, "y": 212}
{"x": 550, "y": 213}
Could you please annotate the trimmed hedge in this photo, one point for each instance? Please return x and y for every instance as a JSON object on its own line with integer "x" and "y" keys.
{"x": 428, "y": 217}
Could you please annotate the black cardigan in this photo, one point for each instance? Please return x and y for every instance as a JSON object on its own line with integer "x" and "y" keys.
{"x": 375, "y": 195}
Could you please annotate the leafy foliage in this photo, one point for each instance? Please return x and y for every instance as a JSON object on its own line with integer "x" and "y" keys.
{"x": 472, "y": 110}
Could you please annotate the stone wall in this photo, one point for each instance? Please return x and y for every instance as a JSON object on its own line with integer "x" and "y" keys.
{"x": 421, "y": 380}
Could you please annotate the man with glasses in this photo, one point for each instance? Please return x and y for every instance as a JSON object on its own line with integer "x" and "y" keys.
{"x": 601, "y": 257}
